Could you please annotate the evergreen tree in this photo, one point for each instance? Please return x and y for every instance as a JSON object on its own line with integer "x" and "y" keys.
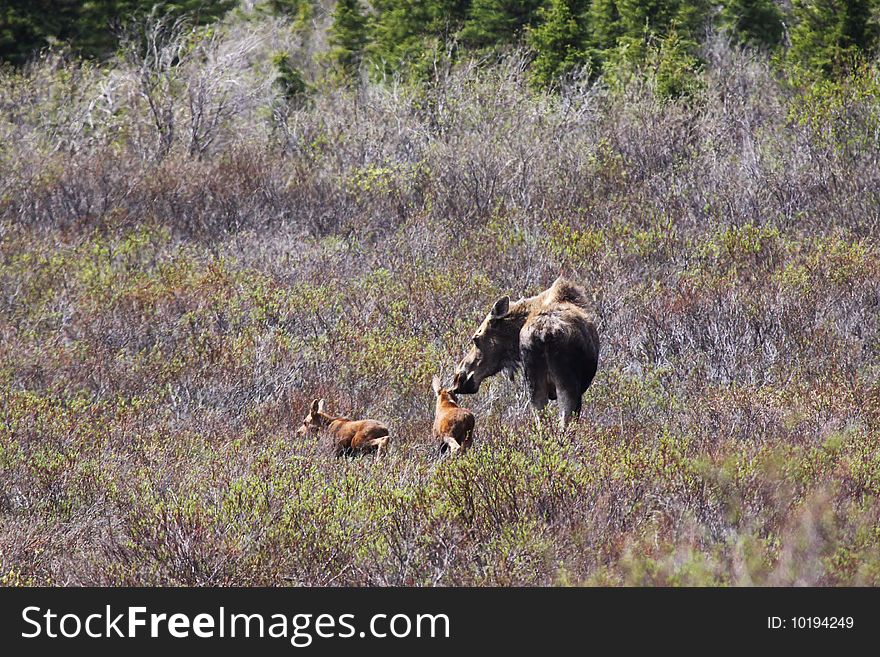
{"x": 293, "y": 8}
{"x": 657, "y": 18}
{"x": 408, "y": 33}
{"x": 604, "y": 29}
{"x": 644, "y": 24}
{"x": 828, "y": 34}
{"x": 90, "y": 28}
{"x": 496, "y": 22}
{"x": 641, "y": 17}
{"x": 559, "y": 40}
{"x": 289, "y": 80}
{"x": 673, "y": 69}
{"x": 347, "y": 37}
{"x": 27, "y": 26}
{"x": 753, "y": 22}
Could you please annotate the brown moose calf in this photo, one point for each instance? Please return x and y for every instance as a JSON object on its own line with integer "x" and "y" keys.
{"x": 453, "y": 425}
{"x": 348, "y": 437}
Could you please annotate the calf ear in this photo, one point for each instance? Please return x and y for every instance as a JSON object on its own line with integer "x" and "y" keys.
{"x": 435, "y": 384}
{"x": 501, "y": 307}
{"x": 316, "y": 407}
{"x": 321, "y": 406}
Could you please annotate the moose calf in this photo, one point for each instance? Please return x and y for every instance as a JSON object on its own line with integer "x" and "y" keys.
{"x": 453, "y": 425}
{"x": 349, "y": 437}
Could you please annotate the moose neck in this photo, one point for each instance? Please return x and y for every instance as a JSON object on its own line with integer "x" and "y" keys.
{"x": 511, "y": 325}
{"x": 443, "y": 401}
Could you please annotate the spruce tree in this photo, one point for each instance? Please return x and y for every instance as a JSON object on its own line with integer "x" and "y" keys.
{"x": 644, "y": 25}
{"x": 753, "y": 22}
{"x": 828, "y": 34}
{"x": 604, "y": 25}
{"x": 293, "y": 8}
{"x": 289, "y": 80}
{"x": 407, "y": 34}
{"x": 89, "y": 28}
{"x": 348, "y": 37}
{"x": 28, "y": 26}
{"x": 559, "y": 40}
{"x": 646, "y": 19}
{"x": 496, "y": 22}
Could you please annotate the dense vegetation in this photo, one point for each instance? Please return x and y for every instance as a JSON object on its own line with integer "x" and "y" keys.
{"x": 564, "y": 36}
{"x": 91, "y": 28}
{"x": 213, "y": 226}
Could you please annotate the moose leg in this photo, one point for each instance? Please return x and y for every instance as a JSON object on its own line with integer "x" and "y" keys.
{"x": 569, "y": 407}
{"x": 569, "y": 394}
{"x": 573, "y": 378}
{"x": 538, "y": 398}
{"x": 535, "y": 370}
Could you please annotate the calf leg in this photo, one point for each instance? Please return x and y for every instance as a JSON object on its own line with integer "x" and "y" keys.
{"x": 362, "y": 443}
{"x": 379, "y": 443}
{"x": 449, "y": 444}
{"x": 468, "y": 439}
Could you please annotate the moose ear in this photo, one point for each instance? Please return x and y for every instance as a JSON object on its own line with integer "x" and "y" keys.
{"x": 321, "y": 406}
{"x": 501, "y": 307}
{"x": 435, "y": 384}
{"x": 316, "y": 407}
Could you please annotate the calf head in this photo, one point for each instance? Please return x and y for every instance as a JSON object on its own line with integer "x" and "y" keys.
{"x": 444, "y": 395}
{"x": 314, "y": 421}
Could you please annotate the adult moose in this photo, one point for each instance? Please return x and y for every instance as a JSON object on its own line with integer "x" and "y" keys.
{"x": 549, "y": 335}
